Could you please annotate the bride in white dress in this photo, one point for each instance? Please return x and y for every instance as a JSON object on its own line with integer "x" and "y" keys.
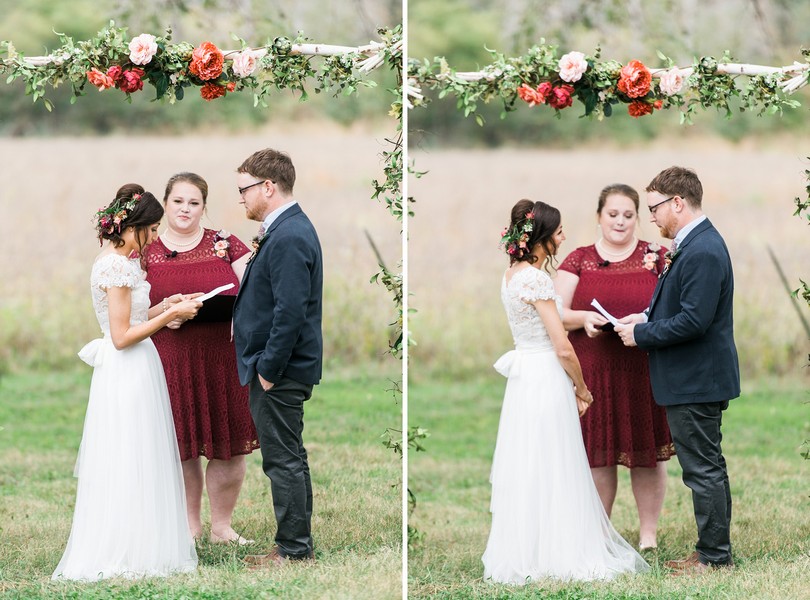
{"x": 130, "y": 515}
{"x": 547, "y": 518}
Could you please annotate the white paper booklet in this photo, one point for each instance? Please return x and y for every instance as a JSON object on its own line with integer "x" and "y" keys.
{"x": 214, "y": 292}
{"x": 606, "y": 314}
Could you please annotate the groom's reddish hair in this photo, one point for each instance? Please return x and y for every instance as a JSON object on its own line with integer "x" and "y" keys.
{"x": 273, "y": 165}
{"x": 678, "y": 181}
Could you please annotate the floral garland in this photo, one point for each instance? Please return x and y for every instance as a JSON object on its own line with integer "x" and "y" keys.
{"x": 539, "y": 78}
{"x": 111, "y": 60}
{"x": 515, "y": 239}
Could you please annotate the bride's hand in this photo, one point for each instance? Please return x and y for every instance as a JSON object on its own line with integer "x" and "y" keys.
{"x": 584, "y": 399}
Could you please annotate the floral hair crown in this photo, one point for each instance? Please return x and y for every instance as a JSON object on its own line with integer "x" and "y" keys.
{"x": 515, "y": 239}
{"x": 108, "y": 220}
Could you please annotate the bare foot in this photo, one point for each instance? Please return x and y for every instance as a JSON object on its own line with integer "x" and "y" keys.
{"x": 228, "y": 536}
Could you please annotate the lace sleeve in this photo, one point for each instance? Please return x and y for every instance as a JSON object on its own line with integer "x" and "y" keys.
{"x": 572, "y": 262}
{"x": 114, "y": 270}
{"x": 237, "y": 248}
{"x": 538, "y": 287}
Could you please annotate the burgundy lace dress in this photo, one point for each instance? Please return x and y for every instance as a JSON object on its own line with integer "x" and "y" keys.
{"x": 624, "y": 425}
{"x": 210, "y": 406}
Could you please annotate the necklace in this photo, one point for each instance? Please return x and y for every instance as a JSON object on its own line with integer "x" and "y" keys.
{"x": 193, "y": 242}
{"x": 627, "y": 249}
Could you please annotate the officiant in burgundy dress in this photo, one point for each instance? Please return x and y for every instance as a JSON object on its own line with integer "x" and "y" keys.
{"x": 210, "y": 406}
{"x": 624, "y": 426}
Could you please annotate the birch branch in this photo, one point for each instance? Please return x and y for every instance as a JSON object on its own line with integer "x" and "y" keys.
{"x": 374, "y": 49}
{"x": 789, "y": 86}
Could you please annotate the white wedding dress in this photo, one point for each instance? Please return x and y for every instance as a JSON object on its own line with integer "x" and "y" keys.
{"x": 130, "y": 516}
{"x": 547, "y": 518}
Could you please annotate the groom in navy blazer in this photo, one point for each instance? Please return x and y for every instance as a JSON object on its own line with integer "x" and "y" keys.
{"x": 279, "y": 346}
{"x": 688, "y": 332}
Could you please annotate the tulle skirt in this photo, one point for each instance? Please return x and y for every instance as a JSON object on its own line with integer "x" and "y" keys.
{"x": 130, "y": 515}
{"x": 547, "y": 518}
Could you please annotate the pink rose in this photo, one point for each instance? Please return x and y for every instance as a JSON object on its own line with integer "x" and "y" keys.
{"x": 561, "y": 97}
{"x": 221, "y": 245}
{"x": 221, "y": 253}
{"x": 544, "y": 91}
{"x": 100, "y": 80}
{"x": 131, "y": 80}
{"x": 244, "y": 64}
{"x": 572, "y": 66}
{"x": 115, "y": 73}
{"x": 671, "y": 81}
{"x": 142, "y": 49}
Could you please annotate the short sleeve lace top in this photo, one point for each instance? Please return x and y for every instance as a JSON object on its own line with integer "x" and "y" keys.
{"x": 115, "y": 270}
{"x": 525, "y": 287}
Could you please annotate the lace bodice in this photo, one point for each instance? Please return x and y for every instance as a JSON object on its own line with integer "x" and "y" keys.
{"x": 114, "y": 270}
{"x": 526, "y": 286}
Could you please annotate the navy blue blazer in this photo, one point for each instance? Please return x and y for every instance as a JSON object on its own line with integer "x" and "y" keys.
{"x": 690, "y": 333}
{"x": 277, "y": 313}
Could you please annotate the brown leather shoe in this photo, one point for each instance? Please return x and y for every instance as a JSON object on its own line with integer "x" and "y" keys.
{"x": 271, "y": 559}
{"x": 693, "y": 566}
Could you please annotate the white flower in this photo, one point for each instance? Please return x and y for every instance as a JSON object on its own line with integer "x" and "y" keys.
{"x": 671, "y": 81}
{"x": 223, "y": 234}
{"x": 244, "y": 64}
{"x": 142, "y": 49}
{"x": 572, "y": 66}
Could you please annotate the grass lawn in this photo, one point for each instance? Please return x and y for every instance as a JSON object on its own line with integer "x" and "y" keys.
{"x": 356, "y": 481}
{"x": 762, "y": 434}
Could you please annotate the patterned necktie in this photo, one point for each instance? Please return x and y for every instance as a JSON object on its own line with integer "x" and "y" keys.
{"x": 674, "y": 247}
{"x": 261, "y": 231}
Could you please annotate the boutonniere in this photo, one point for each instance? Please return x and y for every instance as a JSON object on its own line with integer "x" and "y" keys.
{"x": 650, "y": 259}
{"x": 221, "y": 244}
{"x": 669, "y": 258}
{"x": 256, "y": 242}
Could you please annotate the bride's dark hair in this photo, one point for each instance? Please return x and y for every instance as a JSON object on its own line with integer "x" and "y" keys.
{"x": 539, "y": 229}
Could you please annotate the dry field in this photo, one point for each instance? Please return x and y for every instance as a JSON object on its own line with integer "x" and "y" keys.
{"x": 50, "y": 188}
{"x": 462, "y": 204}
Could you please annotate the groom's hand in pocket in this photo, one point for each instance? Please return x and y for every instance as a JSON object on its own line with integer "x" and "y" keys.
{"x": 266, "y": 385}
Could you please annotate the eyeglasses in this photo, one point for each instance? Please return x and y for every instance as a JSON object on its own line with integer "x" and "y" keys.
{"x": 242, "y": 190}
{"x": 654, "y": 207}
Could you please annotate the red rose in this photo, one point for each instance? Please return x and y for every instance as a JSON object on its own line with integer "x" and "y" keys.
{"x": 231, "y": 86}
{"x": 658, "y": 104}
{"x": 211, "y": 91}
{"x": 561, "y": 97}
{"x": 639, "y": 108}
{"x": 635, "y": 79}
{"x": 206, "y": 61}
{"x": 131, "y": 81}
{"x": 115, "y": 73}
